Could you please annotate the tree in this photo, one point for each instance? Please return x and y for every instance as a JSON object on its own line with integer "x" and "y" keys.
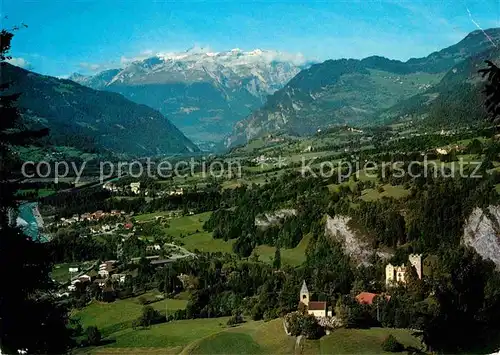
{"x": 451, "y": 321}
{"x": 93, "y": 335}
{"x": 391, "y": 344}
{"x": 277, "y": 258}
{"x": 149, "y": 316}
{"x": 30, "y": 318}
{"x": 310, "y": 327}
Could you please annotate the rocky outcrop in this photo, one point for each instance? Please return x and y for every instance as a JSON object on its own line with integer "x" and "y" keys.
{"x": 270, "y": 219}
{"x": 482, "y": 232}
{"x": 355, "y": 244}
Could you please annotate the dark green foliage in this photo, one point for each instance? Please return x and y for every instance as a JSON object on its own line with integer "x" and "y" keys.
{"x": 149, "y": 317}
{"x": 277, "y": 258}
{"x": 236, "y": 319}
{"x": 392, "y": 345}
{"x": 304, "y": 324}
{"x": 353, "y": 314}
{"x": 30, "y": 317}
{"x": 330, "y": 269}
{"x": 492, "y": 89}
{"x": 310, "y": 327}
{"x": 93, "y": 335}
{"x": 460, "y": 316}
{"x": 250, "y": 203}
{"x": 474, "y": 147}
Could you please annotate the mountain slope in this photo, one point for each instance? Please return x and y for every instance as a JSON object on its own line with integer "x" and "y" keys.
{"x": 456, "y": 100}
{"x": 354, "y": 91}
{"x": 85, "y": 118}
{"x": 203, "y": 93}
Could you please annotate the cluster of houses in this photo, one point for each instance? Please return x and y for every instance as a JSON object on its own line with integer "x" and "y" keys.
{"x": 446, "y": 150}
{"x": 135, "y": 188}
{"x": 94, "y": 216}
{"x": 107, "y": 228}
{"x": 108, "y": 271}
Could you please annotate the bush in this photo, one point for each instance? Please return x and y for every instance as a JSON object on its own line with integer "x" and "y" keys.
{"x": 391, "y": 344}
{"x": 93, "y": 335}
{"x": 149, "y": 317}
{"x": 142, "y": 300}
{"x": 236, "y": 319}
{"x": 304, "y": 324}
{"x": 310, "y": 327}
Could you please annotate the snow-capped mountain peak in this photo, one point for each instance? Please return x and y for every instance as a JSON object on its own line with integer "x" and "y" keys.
{"x": 200, "y": 85}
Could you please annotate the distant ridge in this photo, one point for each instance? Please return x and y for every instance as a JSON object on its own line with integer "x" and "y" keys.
{"x": 348, "y": 91}
{"x": 91, "y": 120}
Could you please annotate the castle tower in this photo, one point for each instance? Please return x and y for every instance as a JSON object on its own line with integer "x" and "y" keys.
{"x": 389, "y": 274}
{"x": 416, "y": 262}
{"x": 304, "y": 294}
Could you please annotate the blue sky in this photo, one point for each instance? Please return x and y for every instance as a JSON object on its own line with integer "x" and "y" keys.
{"x": 66, "y": 36}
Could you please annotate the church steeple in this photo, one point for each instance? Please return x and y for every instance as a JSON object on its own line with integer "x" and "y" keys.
{"x": 304, "y": 294}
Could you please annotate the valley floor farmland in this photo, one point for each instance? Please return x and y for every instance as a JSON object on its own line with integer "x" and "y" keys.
{"x": 188, "y": 230}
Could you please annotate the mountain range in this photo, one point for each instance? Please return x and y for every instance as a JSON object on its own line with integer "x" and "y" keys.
{"x": 203, "y": 93}
{"x": 239, "y": 95}
{"x": 90, "y": 120}
{"x": 350, "y": 91}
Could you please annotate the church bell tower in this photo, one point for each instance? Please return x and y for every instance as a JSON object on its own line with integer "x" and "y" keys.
{"x": 304, "y": 294}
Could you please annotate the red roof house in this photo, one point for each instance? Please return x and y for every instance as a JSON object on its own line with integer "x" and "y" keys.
{"x": 368, "y": 297}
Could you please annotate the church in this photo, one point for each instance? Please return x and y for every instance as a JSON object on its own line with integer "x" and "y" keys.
{"x": 319, "y": 309}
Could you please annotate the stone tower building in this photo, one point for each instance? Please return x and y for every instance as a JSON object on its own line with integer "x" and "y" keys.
{"x": 416, "y": 261}
{"x": 397, "y": 274}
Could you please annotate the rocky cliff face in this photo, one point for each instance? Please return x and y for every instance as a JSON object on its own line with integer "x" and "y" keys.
{"x": 355, "y": 244}
{"x": 482, "y": 232}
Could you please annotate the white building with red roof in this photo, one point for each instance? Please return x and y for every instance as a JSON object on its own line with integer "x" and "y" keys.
{"x": 317, "y": 308}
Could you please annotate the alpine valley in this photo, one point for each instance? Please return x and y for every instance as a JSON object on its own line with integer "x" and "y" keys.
{"x": 250, "y": 201}
{"x": 236, "y": 96}
{"x": 203, "y": 93}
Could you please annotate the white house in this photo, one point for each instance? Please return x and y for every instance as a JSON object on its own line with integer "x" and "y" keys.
{"x": 119, "y": 277}
{"x": 103, "y": 273}
{"x": 84, "y": 278}
{"x": 135, "y": 187}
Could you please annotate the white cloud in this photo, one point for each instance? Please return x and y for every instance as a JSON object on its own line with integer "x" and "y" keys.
{"x": 90, "y": 66}
{"x": 124, "y": 61}
{"x": 295, "y": 58}
{"x": 20, "y": 62}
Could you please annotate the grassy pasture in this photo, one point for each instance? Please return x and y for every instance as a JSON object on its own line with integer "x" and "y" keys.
{"x": 292, "y": 257}
{"x": 118, "y": 315}
{"x": 189, "y": 231}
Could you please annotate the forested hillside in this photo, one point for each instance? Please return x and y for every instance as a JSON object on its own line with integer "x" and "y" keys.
{"x": 91, "y": 120}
